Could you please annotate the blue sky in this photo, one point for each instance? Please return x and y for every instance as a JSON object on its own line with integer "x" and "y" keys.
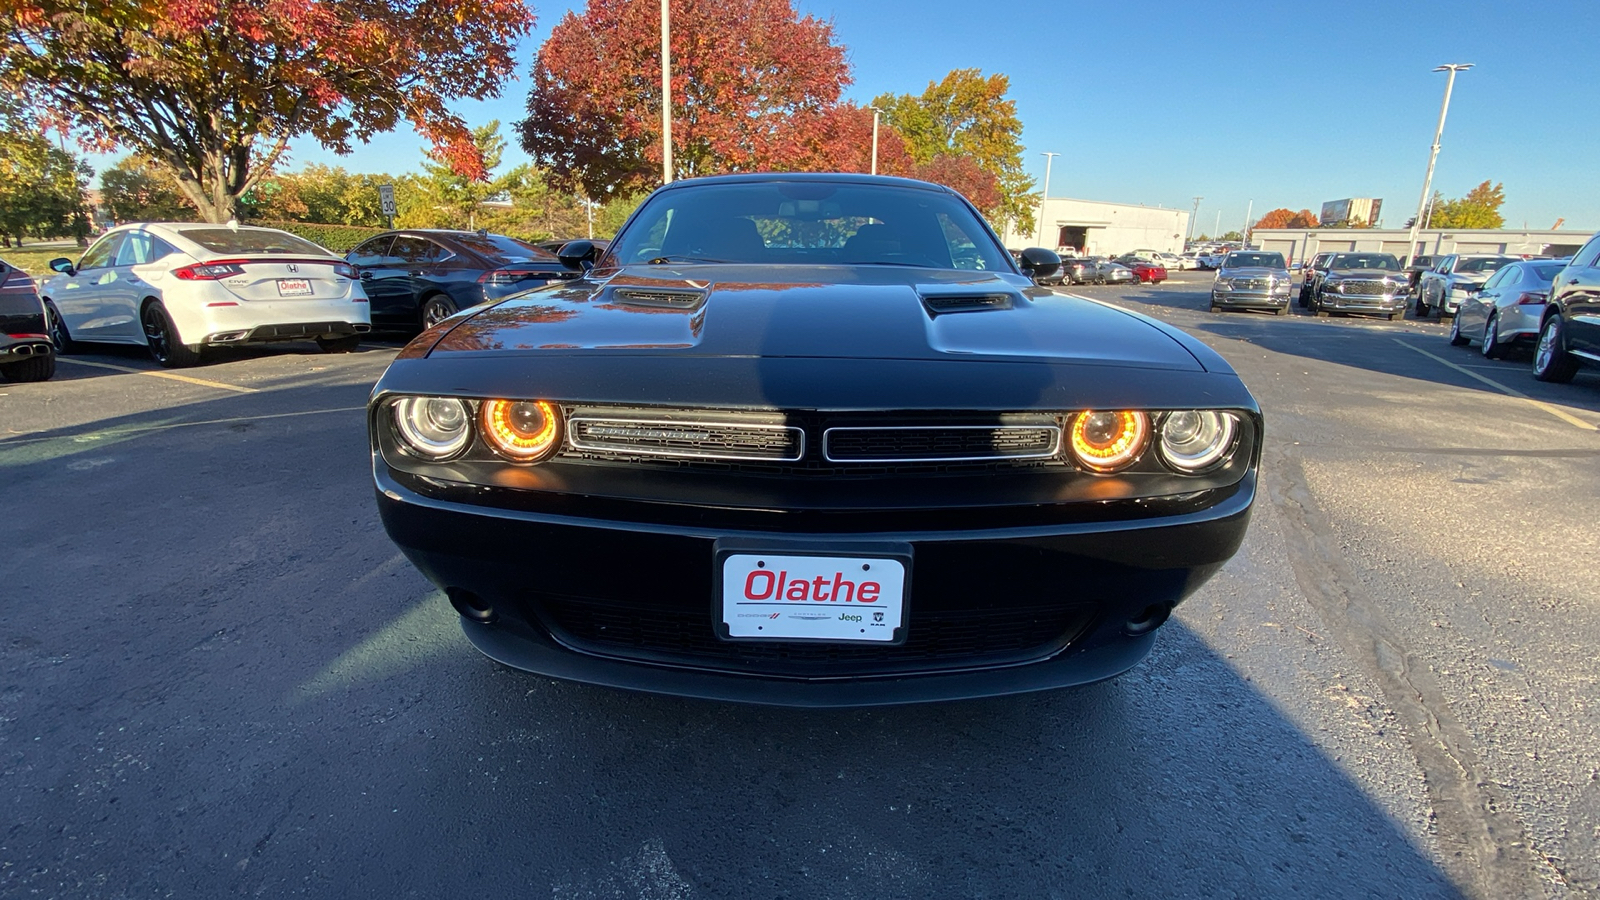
{"x": 1287, "y": 104}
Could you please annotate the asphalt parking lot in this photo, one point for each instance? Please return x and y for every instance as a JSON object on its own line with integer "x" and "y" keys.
{"x": 218, "y": 677}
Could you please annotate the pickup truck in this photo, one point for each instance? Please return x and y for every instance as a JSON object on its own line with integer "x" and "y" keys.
{"x": 1453, "y": 278}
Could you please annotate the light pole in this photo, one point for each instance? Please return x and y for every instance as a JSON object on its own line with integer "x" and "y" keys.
{"x": 1189, "y": 234}
{"x": 875, "y": 113}
{"x": 666, "y": 93}
{"x": 1433, "y": 155}
{"x": 1216, "y": 230}
{"x": 1048, "y": 159}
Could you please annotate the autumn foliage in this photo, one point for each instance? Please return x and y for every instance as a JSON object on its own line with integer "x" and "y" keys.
{"x": 213, "y": 90}
{"x": 1285, "y": 218}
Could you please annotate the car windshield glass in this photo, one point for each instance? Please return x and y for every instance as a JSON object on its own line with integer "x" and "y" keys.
{"x": 501, "y": 249}
{"x": 1262, "y": 260}
{"x": 252, "y": 240}
{"x": 817, "y": 222}
{"x": 1365, "y": 261}
{"x": 1480, "y": 265}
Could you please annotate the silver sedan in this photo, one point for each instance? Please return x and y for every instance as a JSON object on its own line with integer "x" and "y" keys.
{"x": 1507, "y": 309}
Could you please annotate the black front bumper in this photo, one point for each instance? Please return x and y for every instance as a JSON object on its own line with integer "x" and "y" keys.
{"x": 629, "y": 604}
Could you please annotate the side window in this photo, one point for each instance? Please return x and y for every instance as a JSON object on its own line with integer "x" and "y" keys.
{"x": 104, "y": 250}
{"x": 962, "y": 248}
{"x": 160, "y": 249}
{"x": 137, "y": 249}
{"x": 416, "y": 250}
{"x": 1508, "y": 275}
{"x": 372, "y": 253}
{"x": 1587, "y": 257}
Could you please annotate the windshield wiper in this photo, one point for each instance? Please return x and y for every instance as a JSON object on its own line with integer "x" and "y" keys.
{"x": 668, "y": 260}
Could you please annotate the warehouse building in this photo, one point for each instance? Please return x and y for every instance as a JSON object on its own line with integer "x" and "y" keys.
{"x": 1096, "y": 228}
{"x": 1300, "y": 244}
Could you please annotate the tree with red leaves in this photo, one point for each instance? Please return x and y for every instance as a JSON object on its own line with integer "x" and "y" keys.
{"x": 213, "y": 90}
{"x": 754, "y": 87}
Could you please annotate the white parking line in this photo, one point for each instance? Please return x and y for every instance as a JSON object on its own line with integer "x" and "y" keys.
{"x": 172, "y": 375}
{"x": 1561, "y": 414}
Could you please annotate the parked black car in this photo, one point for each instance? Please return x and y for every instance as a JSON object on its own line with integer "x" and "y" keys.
{"x": 26, "y": 353}
{"x": 416, "y": 278}
{"x": 1569, "y": 336}
{"x": 765, "y": 452}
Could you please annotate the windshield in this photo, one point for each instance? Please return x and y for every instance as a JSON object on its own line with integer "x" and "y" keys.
{"x": 815, "y": 222}
{"x": 1383, "y": 261}
{"x": 1259, "y": 260}
{"x": 252, "y": 240}
{"x": 501, "y": 249}
{"x": 1481, "y": 265}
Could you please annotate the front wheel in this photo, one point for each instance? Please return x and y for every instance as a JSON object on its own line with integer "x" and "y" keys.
{"x": 1457, "y": 339}
{"x": 1491, "y": 346}
{"x": 1282, "y": 310}
{"x": 1420, "y": 308}
{"x": 163, "y": 339}
{"x": 1551, "y": 361}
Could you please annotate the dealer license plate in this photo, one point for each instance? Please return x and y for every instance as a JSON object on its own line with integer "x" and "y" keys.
{"x": 823, "y": 598}
{"x": 294, "y": 287}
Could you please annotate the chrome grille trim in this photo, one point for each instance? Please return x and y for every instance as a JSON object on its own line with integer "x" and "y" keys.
{"x": 1052, "y": 434}
{"x": 1369, "y": 288}
{"x": 788, "y": 442}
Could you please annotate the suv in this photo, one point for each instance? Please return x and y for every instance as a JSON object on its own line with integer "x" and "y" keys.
{"x": 1569, "y": 334}
{"x": 1310, "y": 275}
{"x": 26, "y": 353}
{"x": 1454, "y": 278}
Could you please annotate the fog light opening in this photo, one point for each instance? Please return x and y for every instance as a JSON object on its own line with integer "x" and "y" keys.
{"x": 1151, "y": 618}
{"x": 471, "y": 606}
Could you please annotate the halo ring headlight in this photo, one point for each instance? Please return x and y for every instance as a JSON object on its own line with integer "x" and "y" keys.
{"x": 520, "y": 430}
{"x": 433, "y": 428}
{"x": 1194, "y": 440}
{"x": 1107, "y": 440}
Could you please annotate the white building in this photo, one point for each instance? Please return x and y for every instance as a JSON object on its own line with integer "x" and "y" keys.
{"x": 1300, "y": 244}
{"x": 1092, "y": 227}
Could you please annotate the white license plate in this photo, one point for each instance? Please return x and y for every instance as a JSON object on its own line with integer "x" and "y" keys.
{"x": 294, "y": 287}
{"x": 824, "y": 598}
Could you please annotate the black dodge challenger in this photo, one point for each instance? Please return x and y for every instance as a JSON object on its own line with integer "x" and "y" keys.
{"x": 812, "y": 440}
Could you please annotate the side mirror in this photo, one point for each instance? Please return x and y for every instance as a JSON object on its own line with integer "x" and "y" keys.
{"x": 578, "y": 255}
{"x": 1037, "y": 262}
{"x": 63, "y": 265}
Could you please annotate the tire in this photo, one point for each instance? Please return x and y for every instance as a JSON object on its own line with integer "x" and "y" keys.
{"x": 1551, "y": 361}
{"x": 1491, "y": 346}
{"x": 162, "y": 337}
{"x": 1395, "y": 316}
{"x": 38, "y": 368}
{"x": 1420, "y": 307}
{"x": 343, "y": 344}
{"x": 1282, "y": 310}
{"x": 1305, "y": 296}
{"x": 435, "y": 309}
{"x": 1457, "y": 339}
{"x": 1215, "y": 308}
{"x": 58, "y": 330}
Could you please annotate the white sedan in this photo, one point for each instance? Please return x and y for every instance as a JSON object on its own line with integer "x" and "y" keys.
{"x": 178, "y": 288}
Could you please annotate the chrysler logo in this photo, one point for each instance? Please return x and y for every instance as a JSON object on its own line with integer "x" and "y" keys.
{"x": 293, "y": 267}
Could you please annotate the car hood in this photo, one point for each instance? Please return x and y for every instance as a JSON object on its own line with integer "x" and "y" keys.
{"x": 819, "y": 312}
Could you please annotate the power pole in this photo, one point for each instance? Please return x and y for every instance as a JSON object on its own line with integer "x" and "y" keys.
{"x": 666, "y": 93}
{"x": 1433, "y": 155}
{"x": 1048, "y": 159}
{"x": 875, "y": 113}
{"x": 1189, "y": 235}
{"x": 1244, "y": 236}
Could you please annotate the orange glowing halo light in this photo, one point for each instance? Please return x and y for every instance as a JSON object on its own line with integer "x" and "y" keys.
{"x": 1107, "y": 440}
{"x": 522, "y": 430}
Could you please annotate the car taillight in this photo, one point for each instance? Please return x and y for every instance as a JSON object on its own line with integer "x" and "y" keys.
{"x": 346, "y": 270}
{"x": 211, "y": 271}
{"x": 512, "y": 276}
{"x": 1532, "y": 298}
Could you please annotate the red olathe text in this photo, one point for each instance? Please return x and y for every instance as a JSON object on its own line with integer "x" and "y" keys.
{"x": 765, "y": 585}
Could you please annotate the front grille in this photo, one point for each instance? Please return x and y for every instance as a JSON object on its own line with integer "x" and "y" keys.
{"x": 959, "y": 443}
{"x": 688, "y": 438}
{"x": 1368, "y": 288}
{"x": 1252, "y": 284}
{"x": 935, "y": 640}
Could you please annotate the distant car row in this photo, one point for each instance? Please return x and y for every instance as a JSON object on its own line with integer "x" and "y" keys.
{"x": 180, "y": 288}
{"x": 1129, "y": 268}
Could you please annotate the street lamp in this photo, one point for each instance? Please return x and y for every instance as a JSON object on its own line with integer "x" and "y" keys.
{"x": 875, "y": 113}
{"x": 1433, "y": 155}
{"x": 1048, "y": 159}
{"x": 666, "y": 93}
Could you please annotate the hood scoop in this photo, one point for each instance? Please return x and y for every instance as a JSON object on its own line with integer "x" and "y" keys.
{"x": 657, "y": 297}
{"x": 941, "y": 299}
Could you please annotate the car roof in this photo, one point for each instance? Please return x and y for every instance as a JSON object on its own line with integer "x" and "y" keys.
{"x": 779, "y": 177}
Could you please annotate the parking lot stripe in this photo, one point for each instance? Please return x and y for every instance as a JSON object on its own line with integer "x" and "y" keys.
{"x": 1559, "y": 413}
{"x": 172, "y": 375}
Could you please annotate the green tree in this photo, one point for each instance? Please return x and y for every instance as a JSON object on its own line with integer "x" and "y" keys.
{"x": 967, "y": 115}
{"x": 1480, "y": 208}
{"x": 452, "y": 200}
{"x": 41, "y": 189}
{"x": 136, "y": 190}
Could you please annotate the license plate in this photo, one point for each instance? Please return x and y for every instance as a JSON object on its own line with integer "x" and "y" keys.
{"x": 782, "y": 597}
{"x": 294, "y": 287}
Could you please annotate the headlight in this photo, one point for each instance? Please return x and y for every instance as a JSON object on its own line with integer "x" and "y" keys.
{"x": 1105, "y": 441}
{"x": 520, "y": 430}
{"x": 433, "y": 427}
{"x": 1195, "y": 440}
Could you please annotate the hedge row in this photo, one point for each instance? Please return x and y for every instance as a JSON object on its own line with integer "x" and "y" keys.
{"x": 338, "y": 238}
